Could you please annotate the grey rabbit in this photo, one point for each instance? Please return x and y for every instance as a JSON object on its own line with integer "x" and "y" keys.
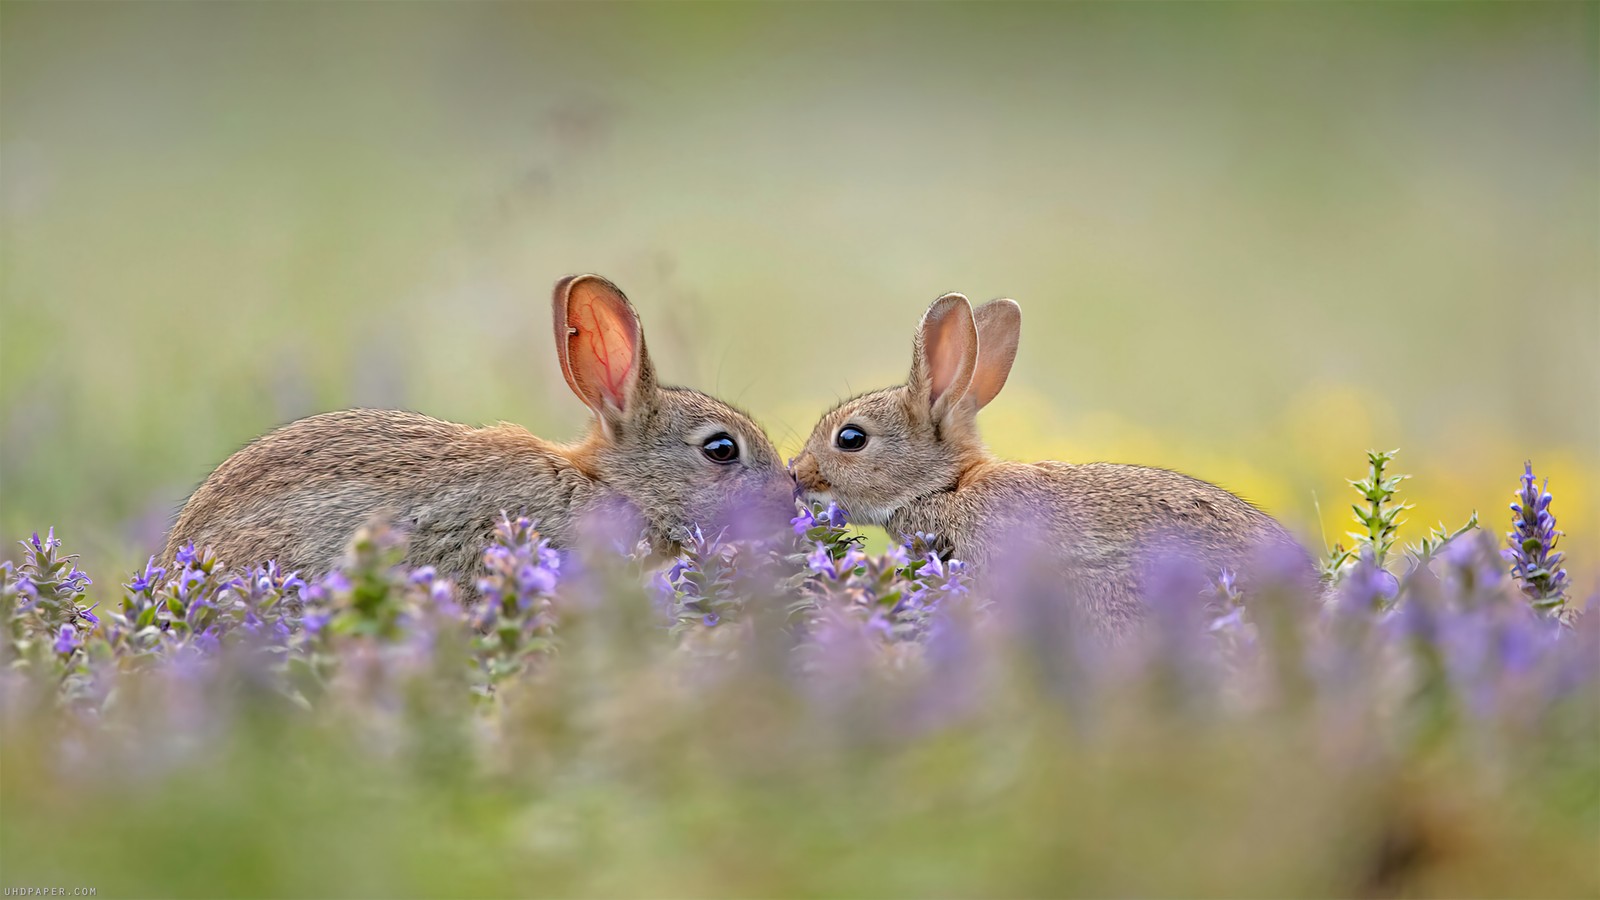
{"x": 909, "y": 458}
{"x": 675, "y": 456}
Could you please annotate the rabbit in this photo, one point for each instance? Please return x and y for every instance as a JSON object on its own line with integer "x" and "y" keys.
{"x": 675, "y": 456}
{"x": 909, "y": 459}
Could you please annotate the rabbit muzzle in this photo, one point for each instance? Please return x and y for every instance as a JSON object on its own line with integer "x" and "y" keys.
{"x": 807, "y": 474}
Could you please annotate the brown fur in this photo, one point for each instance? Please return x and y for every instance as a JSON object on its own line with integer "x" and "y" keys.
{"x": 924, "y": 468}
{"x": 297, "y": 494}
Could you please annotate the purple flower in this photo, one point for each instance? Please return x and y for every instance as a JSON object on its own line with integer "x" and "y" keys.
{"x": 1532, "y": 539}
{"x": 335, "y": 582}
{"x": 520, "y": 565}
{"x": 679, "y": 566}
{"x": 534, "y": 579}
{"x": 26, "y": 588}
{"x": 187, "y": 555}
{"x": 1227, "y": 582}
{"x": 835, "y": 515}
{"x": 149, "y": 578}
{"x": 314, "y": 622}
{"x": 1473, "y": 573}
{"x": 879, "y": 624}
{"x": 75, "y": 581}
{"x": 1522, "y": 640}
{"x": 820, "y": 560}
{"x": 1226, "y": 608}
{"x": 1417, "y": 622}
{"x": 1366, "y": 586}
{"x": 67, "y": 639}
{"x": 897, "y": 556}
{"x": 50, "y": 542}
{"x": 89, "y": 615}
{"x": 187, "y": 579}
{"x": 440, "y": 591}
{"x": 208, "y": 642}
{"x": 1174, "y": 590}
{"x": 665, "y": 593}
{"x": 46, "y": 568}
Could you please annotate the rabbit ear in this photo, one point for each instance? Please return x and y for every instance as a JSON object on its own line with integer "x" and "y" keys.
{"x": 999, "y": 327}
{"x": 944, "y": 354}
{"x": 601, "y": 348}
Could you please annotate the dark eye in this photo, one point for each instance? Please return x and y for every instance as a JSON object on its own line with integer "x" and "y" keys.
{"x": 720, "y": 448}
{"x": 850, "y": 439}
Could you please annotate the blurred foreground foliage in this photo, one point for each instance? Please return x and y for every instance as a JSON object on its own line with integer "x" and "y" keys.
{"x": 802, "y": 717}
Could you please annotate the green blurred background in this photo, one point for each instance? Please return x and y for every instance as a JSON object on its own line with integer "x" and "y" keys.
{"x": 1250, "y": 240}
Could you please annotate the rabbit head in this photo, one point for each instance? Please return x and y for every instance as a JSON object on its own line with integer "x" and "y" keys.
{"x": 877, "y": 452}
{"x": 679, "y": 457}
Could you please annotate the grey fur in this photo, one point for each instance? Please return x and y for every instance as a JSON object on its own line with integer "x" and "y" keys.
{"x": 1102, "y": 526}
{"x": 298, "y": 494}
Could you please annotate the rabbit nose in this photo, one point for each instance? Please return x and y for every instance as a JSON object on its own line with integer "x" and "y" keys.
{"x": 805, "y": 472}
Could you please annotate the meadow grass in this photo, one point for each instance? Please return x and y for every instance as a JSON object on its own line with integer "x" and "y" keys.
{"x": 802, "y": 718}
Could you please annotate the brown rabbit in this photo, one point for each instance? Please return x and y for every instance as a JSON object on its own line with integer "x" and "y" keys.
{"x": 676, "y": 456}
{"x": 909, "y": 458}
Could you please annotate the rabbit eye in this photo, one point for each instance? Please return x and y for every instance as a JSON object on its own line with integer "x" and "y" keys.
{"x": 850, "y": 439}
{"x": 720, "y": 448}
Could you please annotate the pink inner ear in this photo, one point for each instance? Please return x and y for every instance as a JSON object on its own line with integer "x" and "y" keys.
{"x": 604, "y": 352}
{"x": 999, "y": 327}
{"x": 943, "y": 360}
{"x": 946, "y": 344}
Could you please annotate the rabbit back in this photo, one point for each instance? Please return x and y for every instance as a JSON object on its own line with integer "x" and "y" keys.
{"x": 1102, "y": 528}
{"x": 299, "y": 493}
